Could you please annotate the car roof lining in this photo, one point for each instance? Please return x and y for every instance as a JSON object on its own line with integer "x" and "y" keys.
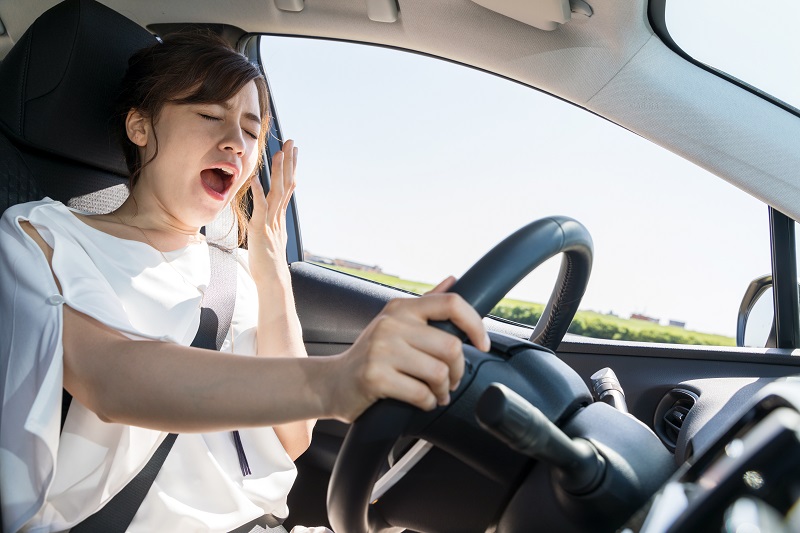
{"x": 611, "y": 63}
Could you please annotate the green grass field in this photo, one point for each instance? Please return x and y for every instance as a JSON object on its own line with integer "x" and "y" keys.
{"x": 587, "y": 323}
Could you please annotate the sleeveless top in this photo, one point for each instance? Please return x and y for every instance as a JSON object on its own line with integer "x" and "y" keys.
{"x": 52, "y": 479}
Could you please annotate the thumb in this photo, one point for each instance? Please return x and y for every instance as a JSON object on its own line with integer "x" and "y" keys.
{"x": 443, "y": 285}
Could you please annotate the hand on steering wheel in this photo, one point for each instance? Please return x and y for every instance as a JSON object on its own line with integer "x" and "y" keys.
{"x": 399, "y": 356}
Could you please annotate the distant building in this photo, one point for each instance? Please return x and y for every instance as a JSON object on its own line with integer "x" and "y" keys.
{"x": 677, "y": 323}
{"x": 639, "y": 316}
{"x": 308, "y": 256}
{"x": 357, "y": 266}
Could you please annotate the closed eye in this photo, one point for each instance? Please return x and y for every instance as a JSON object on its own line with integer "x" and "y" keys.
{"x": 216, "y": 119}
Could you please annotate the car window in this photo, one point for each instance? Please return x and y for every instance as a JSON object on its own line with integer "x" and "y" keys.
{"x": 750, "y": 41}
{"x": 411, "y": 168}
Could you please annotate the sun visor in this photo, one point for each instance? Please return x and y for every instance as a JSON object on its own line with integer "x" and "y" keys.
{"x": 542, "y": 14}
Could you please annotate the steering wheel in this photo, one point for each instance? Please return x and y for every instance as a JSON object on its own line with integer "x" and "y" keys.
{"x": 544, "y": 379}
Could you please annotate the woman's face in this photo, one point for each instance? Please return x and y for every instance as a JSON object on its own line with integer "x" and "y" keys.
{"x": 206, "y": 152}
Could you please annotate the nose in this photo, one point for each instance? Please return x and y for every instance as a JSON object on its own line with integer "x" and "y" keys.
{"x": 233, "y": 141}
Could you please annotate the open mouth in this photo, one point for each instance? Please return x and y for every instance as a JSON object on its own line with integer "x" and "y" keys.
{"x": 218, "y": 180}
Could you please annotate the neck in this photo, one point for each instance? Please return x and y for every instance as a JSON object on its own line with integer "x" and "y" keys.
{"x": 152, "y": 215}
{"x": 157, "y": 221}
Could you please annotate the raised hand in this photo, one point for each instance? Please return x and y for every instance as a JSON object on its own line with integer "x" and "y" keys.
{"x": 266, "y": 231}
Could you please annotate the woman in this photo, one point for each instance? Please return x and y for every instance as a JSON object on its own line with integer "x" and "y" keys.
{"x": 125, "y": 295}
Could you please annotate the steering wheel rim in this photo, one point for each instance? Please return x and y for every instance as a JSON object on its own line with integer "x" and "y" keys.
{"x": 373, "y": 434}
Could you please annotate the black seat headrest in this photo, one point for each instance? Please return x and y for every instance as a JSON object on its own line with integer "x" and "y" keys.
{"x": 59, "y": 81}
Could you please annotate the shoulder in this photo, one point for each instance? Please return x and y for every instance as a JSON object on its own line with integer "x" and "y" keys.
{"x": 28, "y": 209}
{"x": 19, "y": 217}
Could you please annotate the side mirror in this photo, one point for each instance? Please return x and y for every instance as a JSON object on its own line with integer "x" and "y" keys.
{"x": 755, "y": 326}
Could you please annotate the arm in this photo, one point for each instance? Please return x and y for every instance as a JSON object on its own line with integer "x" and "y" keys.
{"x": 183, "y": 389}
{"x": 176, "y": 388}
{"x": 279, "y": 332}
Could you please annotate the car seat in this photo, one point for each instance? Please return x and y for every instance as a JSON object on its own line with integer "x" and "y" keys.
{"x": 57, "y": 89}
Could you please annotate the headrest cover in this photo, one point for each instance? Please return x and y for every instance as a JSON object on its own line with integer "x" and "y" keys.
{"x": 59, "y": 82}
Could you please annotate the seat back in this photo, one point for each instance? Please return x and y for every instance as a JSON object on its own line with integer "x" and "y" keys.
{"x": 57, "y": 88}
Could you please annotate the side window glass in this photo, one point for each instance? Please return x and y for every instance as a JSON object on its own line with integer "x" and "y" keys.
{"x": 411, "y": 168}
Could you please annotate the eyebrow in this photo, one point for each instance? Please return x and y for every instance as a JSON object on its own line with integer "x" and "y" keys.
{"x": 247, "y": 115}
{"x": 253, "y": 117}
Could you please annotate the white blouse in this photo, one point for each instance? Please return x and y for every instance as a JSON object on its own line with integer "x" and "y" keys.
{"x": 52, "y": 479}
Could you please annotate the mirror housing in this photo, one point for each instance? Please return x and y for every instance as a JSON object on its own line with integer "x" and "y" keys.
{"x": 757, "y": 311}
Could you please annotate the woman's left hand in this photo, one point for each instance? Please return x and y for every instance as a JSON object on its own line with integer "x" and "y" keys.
{"x": 266, "y": 231}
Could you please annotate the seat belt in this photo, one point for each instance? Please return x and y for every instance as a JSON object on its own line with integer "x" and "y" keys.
{"x": 215, "y": 321}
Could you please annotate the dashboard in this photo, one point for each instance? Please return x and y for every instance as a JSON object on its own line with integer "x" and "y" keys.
{"x": 748, "y": 479}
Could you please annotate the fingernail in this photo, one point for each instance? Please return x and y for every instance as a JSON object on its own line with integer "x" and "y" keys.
{"x": 456, "y": 385}
{"x": 487, "y": 342}
{"x": 446, "y": 400}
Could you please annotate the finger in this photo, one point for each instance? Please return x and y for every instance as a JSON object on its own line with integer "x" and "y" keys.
{"x": 276, "y": 190}
{"x": 290, "y": 164}
{"x": 447, "y": 306}
{"x": 288, "y": 160}
{"x": 410, "y": 390}
{"x": 259, "y": 201}
{"x": 445, "y": 348}
{"x": 289, "y": 179}
{"x": 443, "y": 285}
{"x": 432, "y": 371}
{"x": 464, "y": 316}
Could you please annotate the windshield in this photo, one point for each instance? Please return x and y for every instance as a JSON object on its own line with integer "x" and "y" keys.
{"x": 754, "y": 42}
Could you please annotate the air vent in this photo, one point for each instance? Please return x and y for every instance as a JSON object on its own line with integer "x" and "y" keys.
{"x": 671, "y": 414}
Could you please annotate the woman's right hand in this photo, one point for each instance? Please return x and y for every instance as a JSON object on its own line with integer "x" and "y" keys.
{"x": 400, "y": 356}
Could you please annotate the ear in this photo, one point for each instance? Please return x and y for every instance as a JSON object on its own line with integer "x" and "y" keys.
{"x": 137, "y": 126}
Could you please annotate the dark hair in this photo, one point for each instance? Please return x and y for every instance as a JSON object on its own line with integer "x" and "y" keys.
{"x": 187, "y": 68}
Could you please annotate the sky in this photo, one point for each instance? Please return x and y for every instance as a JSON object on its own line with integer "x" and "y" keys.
{"x": 420, "y": 166}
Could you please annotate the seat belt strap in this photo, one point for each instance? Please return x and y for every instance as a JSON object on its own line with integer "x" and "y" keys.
{"x": 118, "y": 513}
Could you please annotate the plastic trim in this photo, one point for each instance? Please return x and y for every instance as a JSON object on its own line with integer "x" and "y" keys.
{"x": 784, "y": 275}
